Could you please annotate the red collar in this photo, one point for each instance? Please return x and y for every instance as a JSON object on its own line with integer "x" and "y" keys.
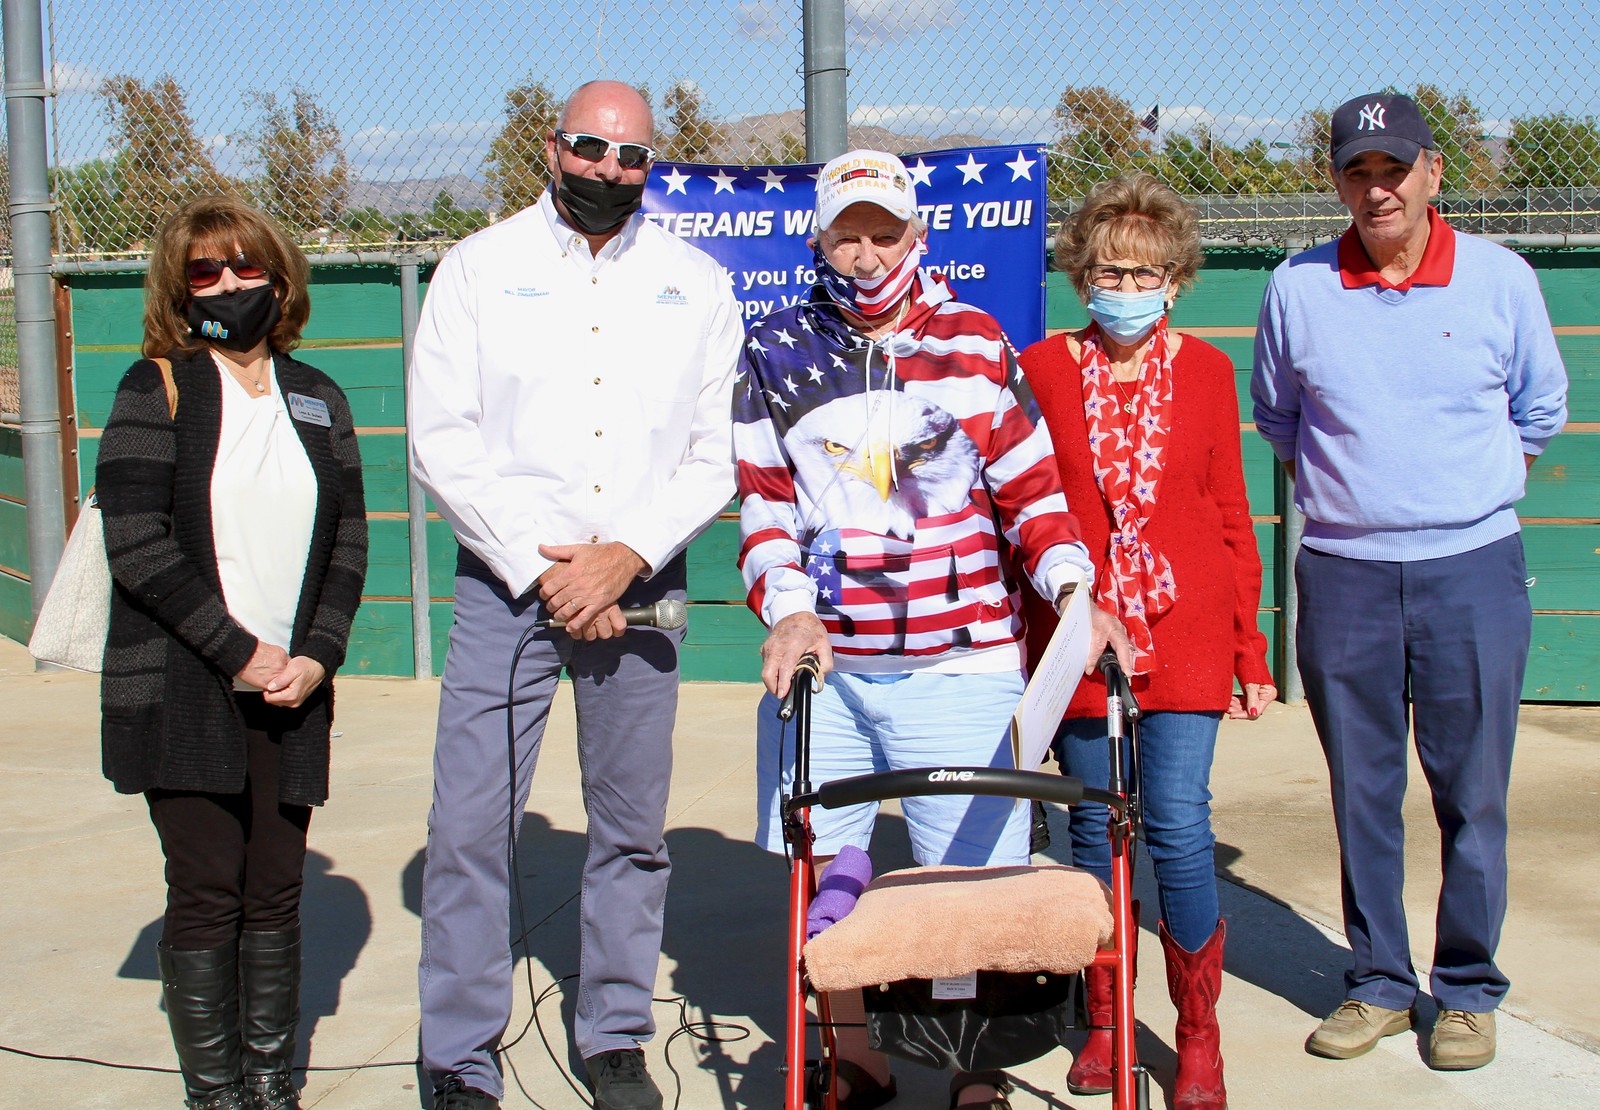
{"x": 1437, "y": 265}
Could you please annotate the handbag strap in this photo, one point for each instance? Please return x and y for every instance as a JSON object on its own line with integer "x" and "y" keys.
{"x": 165, "y": 365}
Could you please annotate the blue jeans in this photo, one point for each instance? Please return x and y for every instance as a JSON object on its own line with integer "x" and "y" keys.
{"x": 1175, "y": 750}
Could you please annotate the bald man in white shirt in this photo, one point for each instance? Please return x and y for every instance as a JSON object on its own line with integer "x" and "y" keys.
{"x": 569, "y": 414}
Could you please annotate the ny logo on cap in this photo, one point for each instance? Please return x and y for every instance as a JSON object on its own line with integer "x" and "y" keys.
{"x": 1371, "y": 117}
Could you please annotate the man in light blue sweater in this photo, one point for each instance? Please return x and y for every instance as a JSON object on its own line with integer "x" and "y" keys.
{"x": 1407, "y": 376}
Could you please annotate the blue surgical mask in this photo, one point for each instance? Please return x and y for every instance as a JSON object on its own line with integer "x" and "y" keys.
{"x": 1127, "y": 317}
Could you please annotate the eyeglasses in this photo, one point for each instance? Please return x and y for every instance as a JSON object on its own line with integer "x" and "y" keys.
{"x": 206, "y": 272}
{"x": 1144, "y": 277}
{"x": 592, "y": 148}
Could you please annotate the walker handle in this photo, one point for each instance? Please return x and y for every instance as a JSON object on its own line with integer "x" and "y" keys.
{"x": 1117, "y": 683}
{"x": 810, "y": 669}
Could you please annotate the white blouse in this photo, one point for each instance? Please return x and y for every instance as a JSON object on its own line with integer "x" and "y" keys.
{"x": 263, "y": 505}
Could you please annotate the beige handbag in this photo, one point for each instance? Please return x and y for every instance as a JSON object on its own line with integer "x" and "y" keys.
{"x": 75, "y": 618}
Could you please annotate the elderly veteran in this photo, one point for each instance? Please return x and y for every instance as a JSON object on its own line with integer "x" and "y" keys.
{"x": 887, "y": 447}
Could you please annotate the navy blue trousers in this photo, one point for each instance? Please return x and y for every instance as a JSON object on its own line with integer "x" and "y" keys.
{"x": 1439, "y": 646}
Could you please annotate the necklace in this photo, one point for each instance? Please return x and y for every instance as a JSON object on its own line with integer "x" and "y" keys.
{"x": 261, "y": 386}
{"x": 1127, "y": 398}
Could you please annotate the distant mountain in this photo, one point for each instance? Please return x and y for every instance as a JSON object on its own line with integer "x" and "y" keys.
{"x": 416, "y": 194}
{"x": 748, "y": 140}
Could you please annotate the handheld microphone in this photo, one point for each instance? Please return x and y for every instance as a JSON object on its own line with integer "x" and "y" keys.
{"x": 668, "y": 613}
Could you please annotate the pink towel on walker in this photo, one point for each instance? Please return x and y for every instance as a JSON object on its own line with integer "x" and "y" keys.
{"x": 842, "y": 883}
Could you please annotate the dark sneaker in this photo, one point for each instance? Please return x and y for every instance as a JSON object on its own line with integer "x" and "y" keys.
{"x": 454, "y": 1094}
{"x": 620, "y": 1082}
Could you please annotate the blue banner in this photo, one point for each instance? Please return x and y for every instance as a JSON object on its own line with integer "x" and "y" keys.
{"x": 984, "y": 206}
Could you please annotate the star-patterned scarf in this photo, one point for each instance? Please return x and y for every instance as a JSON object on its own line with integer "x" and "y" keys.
{"x": 1128, "y": 450}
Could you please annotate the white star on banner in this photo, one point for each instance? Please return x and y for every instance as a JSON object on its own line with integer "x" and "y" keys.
{"x": 785, "y": 338}
{"x": 776, "y": 400}
{"x": 839, "y": 362}
{"x": 805, "y": 324}
{"x": 789, "y": 384}
{"x": 920, "y": 173}
{"x": 724, "y": 182}
{"x": 675, "y": 181}
{"x": 815, "y": 373}
{"x": 774, "y": 180}
{"x": 1021, "y": 168}
{"x": 972, "y": 170}
{"x": 755, "y": 345}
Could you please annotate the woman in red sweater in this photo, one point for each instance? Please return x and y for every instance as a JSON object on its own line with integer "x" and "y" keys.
{"x": 1145, "y": 424}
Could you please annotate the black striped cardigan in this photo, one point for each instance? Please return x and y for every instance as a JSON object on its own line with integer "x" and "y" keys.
{"x": 168, "y": 717}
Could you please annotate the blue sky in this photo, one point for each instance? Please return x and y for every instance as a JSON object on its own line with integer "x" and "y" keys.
{"x": 417, "y": 87}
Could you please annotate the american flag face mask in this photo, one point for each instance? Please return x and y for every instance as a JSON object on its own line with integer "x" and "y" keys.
{"x": 870, "y": 298}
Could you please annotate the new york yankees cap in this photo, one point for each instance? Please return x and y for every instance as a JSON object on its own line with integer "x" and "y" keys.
{"x": 1388, "y": 122}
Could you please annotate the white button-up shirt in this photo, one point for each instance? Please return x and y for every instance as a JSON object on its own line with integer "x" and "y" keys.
{"x": 558, "y": 397}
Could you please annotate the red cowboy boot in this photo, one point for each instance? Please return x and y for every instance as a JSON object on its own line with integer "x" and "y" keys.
{"x": 1194, "y": 979}
{"x": 1090, "y": 1073}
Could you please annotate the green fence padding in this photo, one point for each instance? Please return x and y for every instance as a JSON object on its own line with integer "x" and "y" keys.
{"x": 14, "y": 536}
{"x": 713, "y": 564}
{"x": 1564, "y": 561}
{"x": 107, "y": 310}
{"x": 12, "y": 482}
{"x": 389, "y": 559}
{"x": 1565, "y": 480}
{"x": 371, "y": 377}
{"x": 1565, "y": 658}
{"x": 1570, "y": 282}
{"x": 16, "y": 607}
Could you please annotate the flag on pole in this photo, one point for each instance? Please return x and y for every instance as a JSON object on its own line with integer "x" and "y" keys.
{"x": 1152, "y": 119}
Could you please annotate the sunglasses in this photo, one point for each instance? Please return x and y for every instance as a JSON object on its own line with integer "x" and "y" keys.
{"x": 592, "y": 148}
{"x": 206, "y": 272}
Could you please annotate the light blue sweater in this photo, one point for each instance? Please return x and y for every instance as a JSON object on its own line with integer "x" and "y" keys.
{"x": 1407, "y": 412}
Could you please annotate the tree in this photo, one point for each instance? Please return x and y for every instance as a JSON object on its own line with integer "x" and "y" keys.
{"x": 1558, "y": 151}
{"x": 160, "y": 162}
{"x": 515, "y": 168}
{"x": 1098, "y": 135}
{"x": 692, "y": 137}
{"x": 452, "y": 222}
{"x": 89, "y": 214}
{"x": 1457, "y": 126}
{"x": 305, "y": 176}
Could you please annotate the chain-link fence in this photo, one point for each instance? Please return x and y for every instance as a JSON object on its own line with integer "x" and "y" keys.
{"x": 364, "y": 126}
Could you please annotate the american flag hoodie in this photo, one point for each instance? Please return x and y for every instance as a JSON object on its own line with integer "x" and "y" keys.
{"x": 877, "y": 480}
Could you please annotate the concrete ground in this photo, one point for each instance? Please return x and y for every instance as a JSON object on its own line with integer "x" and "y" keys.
{"x": 83, "y": 902}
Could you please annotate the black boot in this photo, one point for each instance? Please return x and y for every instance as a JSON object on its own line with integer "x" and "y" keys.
{"x": 269, "y": 981}
{"x": 201, "y": 990}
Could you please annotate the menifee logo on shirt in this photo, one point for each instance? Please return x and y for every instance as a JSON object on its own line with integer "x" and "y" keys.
{"x": 671, "y": 294}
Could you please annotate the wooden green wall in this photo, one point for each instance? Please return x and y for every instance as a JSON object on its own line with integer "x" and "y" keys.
{"x": 354, "y": 336}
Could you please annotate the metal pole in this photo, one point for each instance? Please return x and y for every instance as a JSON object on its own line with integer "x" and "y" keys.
{"x": 827, "y": 113}
{"x": 25, "y": 94}
{"x": 416, "y": 503}
{"x": 1294, "y": 526}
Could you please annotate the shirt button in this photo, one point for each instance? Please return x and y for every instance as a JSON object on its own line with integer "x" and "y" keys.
{"x": 597, "y": 489}
{"x": 597, "y": 381}
{"x": 594, "y": 539}
{"x": 597, "y": 433}
{"x": 595, "y": 329}
{"x": 594, "y": 281}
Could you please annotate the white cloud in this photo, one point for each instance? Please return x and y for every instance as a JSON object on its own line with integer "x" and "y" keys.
{"x": 868, "y": 22}
{"x": 1005, "y": 123}
{"x": 433, "y": 150}
{"x": 73, "y": 78}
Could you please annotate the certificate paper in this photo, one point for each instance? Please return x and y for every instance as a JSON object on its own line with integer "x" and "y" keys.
{"x": 1050, "y": 689}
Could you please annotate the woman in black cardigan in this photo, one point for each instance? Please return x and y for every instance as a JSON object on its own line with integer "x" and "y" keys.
{"x": 237, "y": 535}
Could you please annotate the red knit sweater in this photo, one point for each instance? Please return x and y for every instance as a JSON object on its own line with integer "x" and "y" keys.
{"x": 1201, "y": 523}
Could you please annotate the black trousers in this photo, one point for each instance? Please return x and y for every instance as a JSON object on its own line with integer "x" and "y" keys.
{"x": 235, "y": 862}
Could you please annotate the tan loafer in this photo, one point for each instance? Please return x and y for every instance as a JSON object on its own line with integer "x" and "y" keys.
{"x": 1354, "y": 1028}
{"x": 1461, "y": 1040}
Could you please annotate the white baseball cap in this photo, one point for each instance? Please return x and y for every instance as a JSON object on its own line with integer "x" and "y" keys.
{"x": 864, "y": 175}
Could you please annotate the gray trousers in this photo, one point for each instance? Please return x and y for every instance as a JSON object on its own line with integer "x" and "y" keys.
{"x": 626, "y": 693}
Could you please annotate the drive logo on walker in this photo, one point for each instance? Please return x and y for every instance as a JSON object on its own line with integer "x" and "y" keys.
{"x": 984, "y": 207}
{"x": 942, "y": 775}
{"x": 213, "y": 330}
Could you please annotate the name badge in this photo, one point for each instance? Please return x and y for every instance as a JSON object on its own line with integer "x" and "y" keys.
{"x": 309, "y": 410}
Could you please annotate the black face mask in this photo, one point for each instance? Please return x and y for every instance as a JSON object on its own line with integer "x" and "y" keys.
{"x": 593, "y": 207}
{"x": 237, "y": 320}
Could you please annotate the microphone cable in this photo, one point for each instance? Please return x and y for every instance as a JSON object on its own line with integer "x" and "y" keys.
{"x": 709, "y": 1030}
